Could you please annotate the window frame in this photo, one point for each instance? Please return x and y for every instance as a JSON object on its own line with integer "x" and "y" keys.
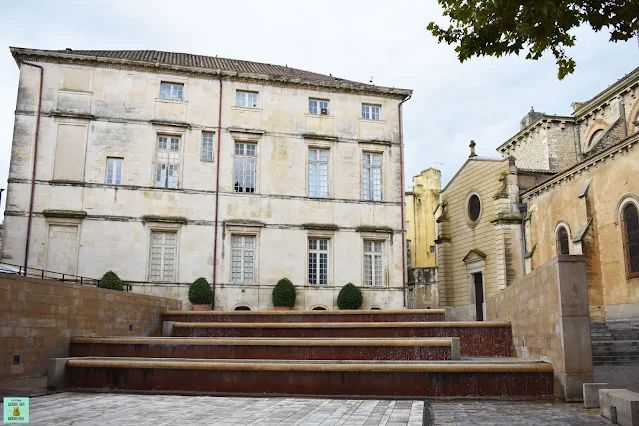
{"x": 244, "y": 158}
{"x": 318, "y": 107}
{"x": 368, "y": 112}
{"x": 318, "y": 162}
{"x": 245, "y": 101}
{"x": 363, "y": 170}
{"x": 626, "y": 203}
{"x": 168, "y": 150}
{"x": 106, "y": 177}
{"x": 243, "y": 250}
{"x": 172, "y": 85}
{"x": 382, "y": 256}
{"x": 558, "y": 249}
{"x": 473, "y": 223}
{"x": 175, "y": 255}
{"x": 317, "y": 262}
{"x": 204, "y": 159}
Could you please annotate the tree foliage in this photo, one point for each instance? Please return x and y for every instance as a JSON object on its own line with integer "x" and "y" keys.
{"x": 200, "y": 292}
{"x": 502, "y": 27}
{"x": 284, "y": 293}
{"x": 350, "y": 297}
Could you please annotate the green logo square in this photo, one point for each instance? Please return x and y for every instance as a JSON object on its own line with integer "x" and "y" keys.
{"x": 16, "y": 410}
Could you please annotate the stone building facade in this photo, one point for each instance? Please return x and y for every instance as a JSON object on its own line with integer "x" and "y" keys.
{"x": 570, "y": 187}
{"x": 168, "y": 167}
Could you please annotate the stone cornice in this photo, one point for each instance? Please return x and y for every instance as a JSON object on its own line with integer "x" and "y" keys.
{"x": 610, "y": 153}
{"x": 35, "y": 55}
{"x": 523, "y": 133}
{"x": 625, "y": 83}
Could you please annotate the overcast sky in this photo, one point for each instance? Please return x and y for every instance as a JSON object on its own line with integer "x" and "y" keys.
{"x": 482, "y": 99}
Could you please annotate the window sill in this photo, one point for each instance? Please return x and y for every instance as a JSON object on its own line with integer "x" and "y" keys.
{"x": 310, "y": 114}
{"x": 171, "y": 101}
{"x": 370, "y": 120}
{"x": 238, "y": 108}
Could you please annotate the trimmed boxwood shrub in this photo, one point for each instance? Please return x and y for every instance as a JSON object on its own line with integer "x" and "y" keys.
{"x": 111, "y": 281}
{"x": 200, "y": 292}
{"x": 350, "y": 297}
{"x": 284, "y": 293}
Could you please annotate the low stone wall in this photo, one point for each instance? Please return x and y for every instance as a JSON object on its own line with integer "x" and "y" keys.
{"x": 38, "y": 318}
{"x": 548, "y": 310}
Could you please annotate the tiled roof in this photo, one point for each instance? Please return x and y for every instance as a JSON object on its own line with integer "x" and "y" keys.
{"x": 152, "y": 57}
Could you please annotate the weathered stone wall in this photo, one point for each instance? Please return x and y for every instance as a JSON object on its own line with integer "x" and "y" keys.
{"x": 605, "y": 183}
{"x": 126, "y": 118}
{"x": 423, "y": 290}
{"x": 38, "y": 317}
{"x": 548, "y": 310}
{"x": 421, "y": 203}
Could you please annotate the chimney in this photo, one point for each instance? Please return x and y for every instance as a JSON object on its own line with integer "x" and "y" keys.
{"x": 472, "y": 149}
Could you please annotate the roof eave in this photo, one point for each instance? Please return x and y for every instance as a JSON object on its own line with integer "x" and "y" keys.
{"x": 18, "y": 53}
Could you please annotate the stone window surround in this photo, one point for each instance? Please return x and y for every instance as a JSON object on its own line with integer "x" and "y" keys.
{"x": 562, "y": 223}
{"x": 169, "y": 131}
{"x": 375, "y": 236}
{"x": 162, "y": 227}
{"x": 627, "y": 198}
{"x": 169, "y": 78}
{"x": 106, "y": 170}
{"x": 201, "y": 143}
{"x": 250, "y": 138}
{"x": 325, "y": 234}
{"x": 249, "y": 230}
{"x": 247, "y": 89}
{"x": 71, "y": 120}
{"x": 318, "y": 100}
{"x": 371, "y": 149}
{"x": 470, "y": 222}
{"x": 327, "y": 145}
{"x": 64, "y": 221}
{"x": 474, "y": 266}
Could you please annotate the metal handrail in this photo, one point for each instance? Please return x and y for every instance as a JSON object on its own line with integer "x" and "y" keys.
{"x": 64, "y": 277}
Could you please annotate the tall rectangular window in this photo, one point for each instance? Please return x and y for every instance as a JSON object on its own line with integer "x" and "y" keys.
{"x": 246, "y": 99}
{"x": 371, "y": 112}
{"x": 163, "y": 253}
{"x": 207, "y": 146}
{"x": 168, "y": 162}
{"x": 242, "y": 259}
{"x": 172, "y": 91}
{"x": 317, "y": 261}
{"x": 318, "y": 106}
{"x": 114, "y": 171}
{"x": 372, "y": 176}
{"x": 318, "y": 173}
{"x": 244, "y": 167}
{"x": 373, "y": 263}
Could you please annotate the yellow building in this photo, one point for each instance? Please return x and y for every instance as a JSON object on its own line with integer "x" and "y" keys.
{"x": 421, "y": 203}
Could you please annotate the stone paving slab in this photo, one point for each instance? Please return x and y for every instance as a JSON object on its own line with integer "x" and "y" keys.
{"x": 118, "y": 409}
{"x": 509, "y": 413}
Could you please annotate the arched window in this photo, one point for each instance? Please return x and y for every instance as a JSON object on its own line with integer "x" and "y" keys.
{"x": 595, "y": 137}
{"x": 318, "y": 308}
{"x": 242, "y": 308}
{"x": 375, "y": 308}
{"x": 563, "y": 243}
{"x": 630, "y": 230}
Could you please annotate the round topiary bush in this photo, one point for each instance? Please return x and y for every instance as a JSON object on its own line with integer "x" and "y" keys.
{"x": 111, "y": 281}
{"x": 284, "y": 294}
{"x": 200, "y": 292}
{"x": 350, "y": 297}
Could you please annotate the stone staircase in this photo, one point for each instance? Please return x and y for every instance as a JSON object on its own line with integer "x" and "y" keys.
{"x": 381, "y": 354}
{"x": 615, "y": 342}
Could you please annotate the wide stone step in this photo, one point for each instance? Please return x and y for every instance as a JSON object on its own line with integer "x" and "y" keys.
{"x": 477, "y": 338}
{"x": 379, "y": 379}
{"x": 267, "y": 348}
{"x": 306, "y": 316}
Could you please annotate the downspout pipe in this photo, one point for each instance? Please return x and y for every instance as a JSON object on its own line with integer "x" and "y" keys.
{"x": 35, "y": 163}
{"x": 401, "y": 195}
{"x": 217, "y": 195}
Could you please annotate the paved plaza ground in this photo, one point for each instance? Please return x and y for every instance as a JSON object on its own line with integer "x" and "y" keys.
{"x": 126, "y": 409}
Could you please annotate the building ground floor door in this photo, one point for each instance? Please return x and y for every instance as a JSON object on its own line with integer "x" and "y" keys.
{"x": 478, "y": 279}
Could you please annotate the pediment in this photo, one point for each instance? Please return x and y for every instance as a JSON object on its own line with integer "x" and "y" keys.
{"x": 474, "y": 256}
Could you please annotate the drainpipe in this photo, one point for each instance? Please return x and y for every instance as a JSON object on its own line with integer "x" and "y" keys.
{"x": 217, "y": 194}
{"x": 33, "y": 171}
{"x": 401, "y": 194}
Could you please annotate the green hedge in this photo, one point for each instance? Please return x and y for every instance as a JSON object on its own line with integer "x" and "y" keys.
{"x": 200, "y": 292}
{"x": 284, "y": 293}
{"x": 350, "y": 297}
{"x": 111, "y": 281}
